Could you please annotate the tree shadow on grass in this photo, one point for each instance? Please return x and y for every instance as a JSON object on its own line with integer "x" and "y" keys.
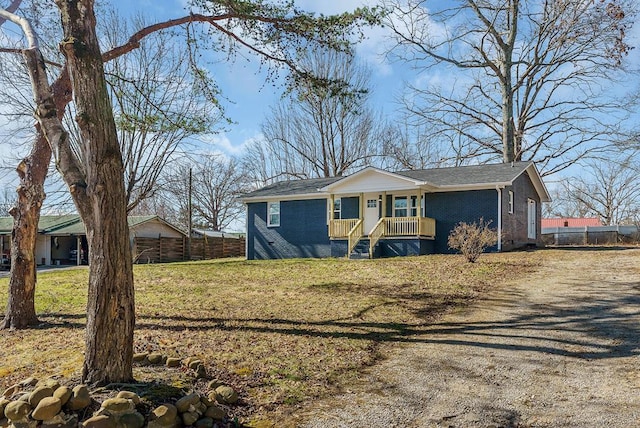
{"x": 601, "y": 322}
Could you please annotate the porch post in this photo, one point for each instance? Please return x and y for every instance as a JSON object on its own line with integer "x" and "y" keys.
{"x": 78, "y": 250}
{"x": 384, "y": 204}
{"x": 419, "y": 211}
{"x": 331, "y": 203}
{"x": 361, "y": 206}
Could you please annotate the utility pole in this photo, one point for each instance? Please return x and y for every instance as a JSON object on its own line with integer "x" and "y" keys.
{"x": 189, "y": 214}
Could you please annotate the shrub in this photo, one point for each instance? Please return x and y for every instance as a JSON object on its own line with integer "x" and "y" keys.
{"x": 472, "y": 239}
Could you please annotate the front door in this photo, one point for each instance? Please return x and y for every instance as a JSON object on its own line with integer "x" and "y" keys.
{"x": 371, "y": 211}
{"x": 531, "y": 219}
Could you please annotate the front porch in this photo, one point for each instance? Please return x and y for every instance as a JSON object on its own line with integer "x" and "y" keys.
{"x": 395, "y": 232}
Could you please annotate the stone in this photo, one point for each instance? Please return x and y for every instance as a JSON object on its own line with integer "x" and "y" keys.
{"x": 30, "y": 381}
{"x": 101, "y": 421}
{"x": 4, "y": 422}
{"x": 204, "y": 423}
{"x": 216, "y": 413}
{"x": 17, "y": 410}
{"x": 140, "y": 357}
{"x": 38, "y": 394}
{"x": 188, "y": 360}
{"x": 193, "y": 365}
{"x": 49, "y": 383}
{"x": 129, "y": 395}
{"x": 63, "y": 394}
{"x": 10, "y": 391}
{"x": 226, "y": 395}
{"x": 47, "y": 408}
{"x": 201, "y": 407}
{"x": 131, "y": 420}
{"x": 25, "y": 397}
{"x": 155, "y": 358}
{"x": 214, "y": 384}
{"x": 189, "y": 418}
{"x": 173, "y": 362}
{"x": 61, "y": 421}
{"x": 3, "y": 404}
{"x": 185, "y": 403}
{"x": 118, "y": 405}
{"x": 80, "y": 398}
{"x": 201, "y": 372}
{"x": 164, "y": 415}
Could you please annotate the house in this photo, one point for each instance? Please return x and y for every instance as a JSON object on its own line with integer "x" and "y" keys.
{"x": 570, "y": 222}
{"x": 61, "y": 236}
{"x": 377, "y": 213}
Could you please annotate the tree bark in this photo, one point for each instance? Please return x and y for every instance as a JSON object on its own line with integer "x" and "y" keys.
{"x": 101, "y": 201}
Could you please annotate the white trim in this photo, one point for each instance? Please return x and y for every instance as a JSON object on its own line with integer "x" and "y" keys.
{"x": 290, "y": 197}
{"x": 412, "y": 182}
{"x": 532, "y": 232}
{"x": 269, "y": 205}
{"x": 499, "y": 189}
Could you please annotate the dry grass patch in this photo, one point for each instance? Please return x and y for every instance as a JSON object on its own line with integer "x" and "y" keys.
{"x": 285, "y": 331}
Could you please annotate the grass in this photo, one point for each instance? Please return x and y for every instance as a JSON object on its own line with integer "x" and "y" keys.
{"x": 283, "y": 331}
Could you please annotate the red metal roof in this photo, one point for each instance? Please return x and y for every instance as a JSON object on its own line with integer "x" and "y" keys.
{"x": 571, "y": 222}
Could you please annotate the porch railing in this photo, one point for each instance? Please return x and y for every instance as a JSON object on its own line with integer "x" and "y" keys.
{"x": 410, "y": 226}
{"x": 354, "y": 235}
{"x": 341, "y": 228}
{"x": 379, "y": 230}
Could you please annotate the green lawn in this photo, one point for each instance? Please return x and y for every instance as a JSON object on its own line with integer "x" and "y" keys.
{"x": 281, "y": 331}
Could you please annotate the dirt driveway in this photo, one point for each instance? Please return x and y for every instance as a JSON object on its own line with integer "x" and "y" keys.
{"x": 559, "y": 349}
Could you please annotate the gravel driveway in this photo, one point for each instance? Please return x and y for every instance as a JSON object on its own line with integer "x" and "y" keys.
{"x": 558, "y": 349}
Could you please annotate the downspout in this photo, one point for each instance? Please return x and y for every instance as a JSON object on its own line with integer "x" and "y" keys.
{"x": 246, "y": 228}
{"x": 499, "y": 189}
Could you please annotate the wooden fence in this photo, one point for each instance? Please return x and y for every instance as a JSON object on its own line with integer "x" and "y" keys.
{"x": 163, "y": 250}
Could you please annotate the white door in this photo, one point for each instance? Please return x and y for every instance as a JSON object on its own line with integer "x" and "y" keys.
{"x": 371, "y": 211}
{"x": 531, "y": 219}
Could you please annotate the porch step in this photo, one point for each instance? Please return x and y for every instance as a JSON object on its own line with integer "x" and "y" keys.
{"x": 361, "y": 251}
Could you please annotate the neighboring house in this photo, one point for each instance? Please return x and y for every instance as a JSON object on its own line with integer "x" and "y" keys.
{"x": 377, "y": 213}
{"x": 62, "y": 237}
{"x": 570, "y": 222}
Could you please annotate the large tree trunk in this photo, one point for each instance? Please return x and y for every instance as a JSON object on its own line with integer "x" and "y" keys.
{"x": 32, "y": 170}
{"x": 101, "y": 201}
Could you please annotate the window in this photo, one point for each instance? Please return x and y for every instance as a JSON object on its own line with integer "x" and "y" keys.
{"x": 273, "y": 214}
{"x": 400, "y": 206}
{"x": 510, "y": 202}
{"x": 372, "y": 203}
{"x": 414, "y": 207}
{"x": 337, "y": 209}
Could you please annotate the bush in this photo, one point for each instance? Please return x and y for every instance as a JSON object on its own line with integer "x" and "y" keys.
{"x": 472, "y": 239}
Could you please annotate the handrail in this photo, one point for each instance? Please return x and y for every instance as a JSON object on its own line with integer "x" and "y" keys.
{"x": 379, "y": 230}
{"x": 354, "y": 235}
{"x": 339, "y": 228}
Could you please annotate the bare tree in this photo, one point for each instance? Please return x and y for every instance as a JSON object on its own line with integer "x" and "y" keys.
{"x": 95, "y": 173}
{"x": 517, "y": 80}
{"x": 217, "y": 182}
{"x": 319, "y": 131}
{"x": 609, "y": 189}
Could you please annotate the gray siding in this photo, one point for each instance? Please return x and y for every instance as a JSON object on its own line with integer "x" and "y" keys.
{"x": 449, "y": 209}
{"x": 303, "y": 231}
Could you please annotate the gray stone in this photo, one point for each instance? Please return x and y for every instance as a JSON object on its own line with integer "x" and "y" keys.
{"x": 185, "y": 403}
{"x": 25, "y": 397}
{"x": 204, "y": 423}
{"x": 140, "y": 357}
{"x": 173, "y": 362}
{"x": 214, "y": 384}
{"x": 131, "y": 420}
{"x": 215, "y": 412}
{"x": 189, "y": 418}
{"x": 38, "y": 394}
{"x": 10, "y": 391}
{"x": 164, "y": 415}
{"x": 61, "y": 421}
{"x": 47, "y": 408}
{"x": 118, "y": 406}
{"x": 129, "y": 395}
{"x": 49, "y": 383}
{"x": 63, "y": 394}
{"x": 155, "y": 358}
{"x": 101, "y": 421}
{"x": 226, "y": 395}
{"x": 17, "y": 410}
{"x": 80, "y": 398}
{"x": 193, "y": 364}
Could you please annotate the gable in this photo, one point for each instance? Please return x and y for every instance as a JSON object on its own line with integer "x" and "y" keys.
{"x": 372, "y": 180}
